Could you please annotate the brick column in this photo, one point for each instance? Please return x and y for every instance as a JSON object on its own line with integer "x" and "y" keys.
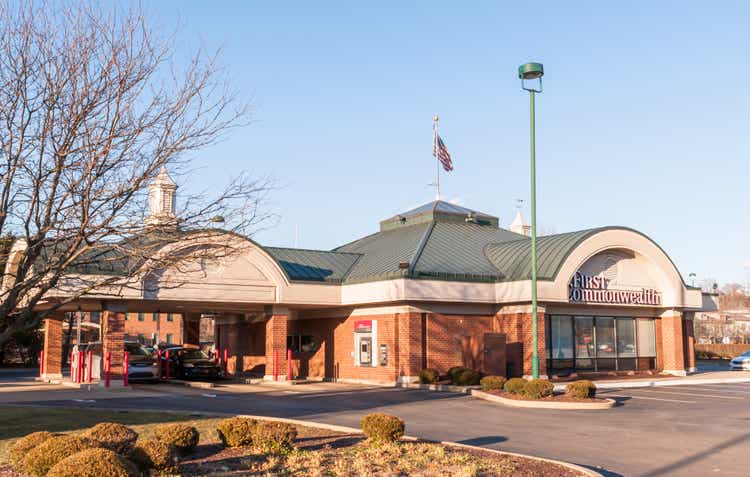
{"x": 53, "y": 340}
{"x": 113, "y": 341}
{"x": 689, "y": 343}
{"x": 673, "y": 358}
{"x": 276, "y": 332}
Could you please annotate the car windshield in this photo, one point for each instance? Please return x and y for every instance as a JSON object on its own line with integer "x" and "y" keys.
{"x": 746, "y": 354}
{"x": 136, "y": 350}
{"x": 193, "y": 354}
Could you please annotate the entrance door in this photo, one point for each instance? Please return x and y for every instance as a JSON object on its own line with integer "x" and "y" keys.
{"x": 494, "y": 354}
{"x": 365, "y": 351}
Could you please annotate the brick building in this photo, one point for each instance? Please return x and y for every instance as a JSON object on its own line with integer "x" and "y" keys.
{"x": 436, "y": 286}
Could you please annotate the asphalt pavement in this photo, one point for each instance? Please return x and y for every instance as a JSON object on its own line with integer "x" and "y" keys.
{"x": 680, "y": 431}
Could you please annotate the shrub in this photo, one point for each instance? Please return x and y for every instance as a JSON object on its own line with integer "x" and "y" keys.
{"x": 455, "y": 371}
{"x": 44, "y": 456}
{"x": 581, "y": 389}
{"x": 274, "y": 437}
{"x": 492, "y": 383}
{"x": 182, "y": 436}
{"x": 154, "y": 454}
{"x": 538, "y": 388}
{"x": 467, "y": 377}
{"x": 381, "y": 428}
{"x": 236, "y": 431}
{"x": 25, "y": 444}
{"x": 429, "y": 376}
{"x": 515, "y": 385}
{"x": 113, "y": 436}
{"x": 94, "y": 462}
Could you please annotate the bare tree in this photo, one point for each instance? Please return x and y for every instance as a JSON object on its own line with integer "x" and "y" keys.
{"x": 92, "y": 106}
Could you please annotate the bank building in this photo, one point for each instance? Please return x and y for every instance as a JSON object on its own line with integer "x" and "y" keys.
{"x": 437, "y": 286}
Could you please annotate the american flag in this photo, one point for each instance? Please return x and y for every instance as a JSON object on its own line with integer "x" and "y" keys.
{"x": 442, "y": 154}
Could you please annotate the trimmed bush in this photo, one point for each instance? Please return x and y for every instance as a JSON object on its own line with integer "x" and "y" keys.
{"x": 515, "y": 385}
{"x": 24, "y": 445}
{"x": 455, "y": 371}
{"x": 273, "y": 437}
{"x": 113, "y": 436}
{"x": 236, "y": 431}
{"x": 467, "y": 377}
{"x": 94, "y": 463}
{"x": 581, "y": 389}
{"x": 538, "y": 388}
{"x": 381, "y": 428}
{"x": 154, "y": 454}
{"x": 429, "y": 376}
{"x": 492, "y": 383}
{"x": 182, "y": 436}
{"x": 44, "y": 456}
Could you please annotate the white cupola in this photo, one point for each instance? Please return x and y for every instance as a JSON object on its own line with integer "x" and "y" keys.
{"x": 519, "y": 225}
{"x": 161, "y": 199}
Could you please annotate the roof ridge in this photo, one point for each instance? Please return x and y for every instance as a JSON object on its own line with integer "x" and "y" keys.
{"x": 420, "y": 247}
{"x": 310, "y": 250}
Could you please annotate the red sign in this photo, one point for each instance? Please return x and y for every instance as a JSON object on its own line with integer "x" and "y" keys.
{"x": 363, "y": 326}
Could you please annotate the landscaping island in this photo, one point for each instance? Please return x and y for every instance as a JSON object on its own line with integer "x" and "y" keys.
{"x": 42, "y": 441}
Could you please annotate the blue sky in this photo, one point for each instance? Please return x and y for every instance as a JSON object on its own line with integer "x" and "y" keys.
{"x": 643, "y": 119}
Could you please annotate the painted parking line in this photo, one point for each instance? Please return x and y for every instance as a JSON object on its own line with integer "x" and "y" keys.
{"x": 716, "y": 388}
{"x": 715, "y": 396}
{"x": 650, "y": 398}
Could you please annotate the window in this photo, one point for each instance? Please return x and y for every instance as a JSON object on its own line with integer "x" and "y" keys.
{"x": 303, "y": 343}
{"x": 562, "y": 341}
{"x": 141, "y": 338}
{"x": 600, "y": 343}
{"x": 126, "y": 316}
{"x": 169, "y": 338}
{"x": 141, "y": 316}
{"x": 170, "y": 317}
{"x": 95, "y": 316}
{"x": 154, "y": 317}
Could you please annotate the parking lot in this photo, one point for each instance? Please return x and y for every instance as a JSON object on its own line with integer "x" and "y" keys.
{"x": 688, "y": 396}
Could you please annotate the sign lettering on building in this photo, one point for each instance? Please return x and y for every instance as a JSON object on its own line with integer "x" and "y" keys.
{"x": 596, "y": 289}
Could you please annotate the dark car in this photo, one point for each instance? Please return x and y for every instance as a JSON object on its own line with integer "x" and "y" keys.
{"x": 189, "y": 363}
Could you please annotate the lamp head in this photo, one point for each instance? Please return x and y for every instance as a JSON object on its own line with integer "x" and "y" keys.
{"x": 530, "y": 71}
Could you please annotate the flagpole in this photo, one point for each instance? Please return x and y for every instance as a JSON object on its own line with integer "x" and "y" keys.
{"x": 437, "y": 158}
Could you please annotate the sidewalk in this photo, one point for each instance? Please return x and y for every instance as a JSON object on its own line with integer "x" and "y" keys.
{"x": 711, "y": 377}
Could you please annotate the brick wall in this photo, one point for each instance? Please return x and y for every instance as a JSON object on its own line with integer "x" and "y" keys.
{"x": 518, "y": 329}
{"x": 246, "y": 343}
{"x": 162, "y": 327}
{"x": 456, "y": 340}
{"x": 673, "y": 357}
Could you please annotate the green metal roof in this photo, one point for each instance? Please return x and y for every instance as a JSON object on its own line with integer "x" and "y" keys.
{"x": 513, "y": 259}
{"x": 313, "y": 265}
{"x": 435, "y": 211}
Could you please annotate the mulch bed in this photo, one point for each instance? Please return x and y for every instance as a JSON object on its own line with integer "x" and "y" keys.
{"x": 554, "y": 397}
{"x": 212, "y": 459}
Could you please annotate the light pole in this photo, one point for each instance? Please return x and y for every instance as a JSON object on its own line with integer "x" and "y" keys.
{"x": 532, "y": 72}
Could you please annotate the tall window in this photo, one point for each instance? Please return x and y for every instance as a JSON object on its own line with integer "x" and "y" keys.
{"x": 154, "y": 317}
{"x": 562, "y": 341}
{"x": 169, "y": 338}
{"x": 141, "y": 316}
{"x": 170, "y": 317}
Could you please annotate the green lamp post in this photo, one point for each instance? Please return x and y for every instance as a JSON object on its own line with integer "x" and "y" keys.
{"x": 528, "y": 73}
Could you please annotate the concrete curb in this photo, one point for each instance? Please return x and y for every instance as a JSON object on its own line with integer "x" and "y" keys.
{"x": 562, "y": 406}
{"x": 191, "y": 384}
{"x": 659, "y": 383}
